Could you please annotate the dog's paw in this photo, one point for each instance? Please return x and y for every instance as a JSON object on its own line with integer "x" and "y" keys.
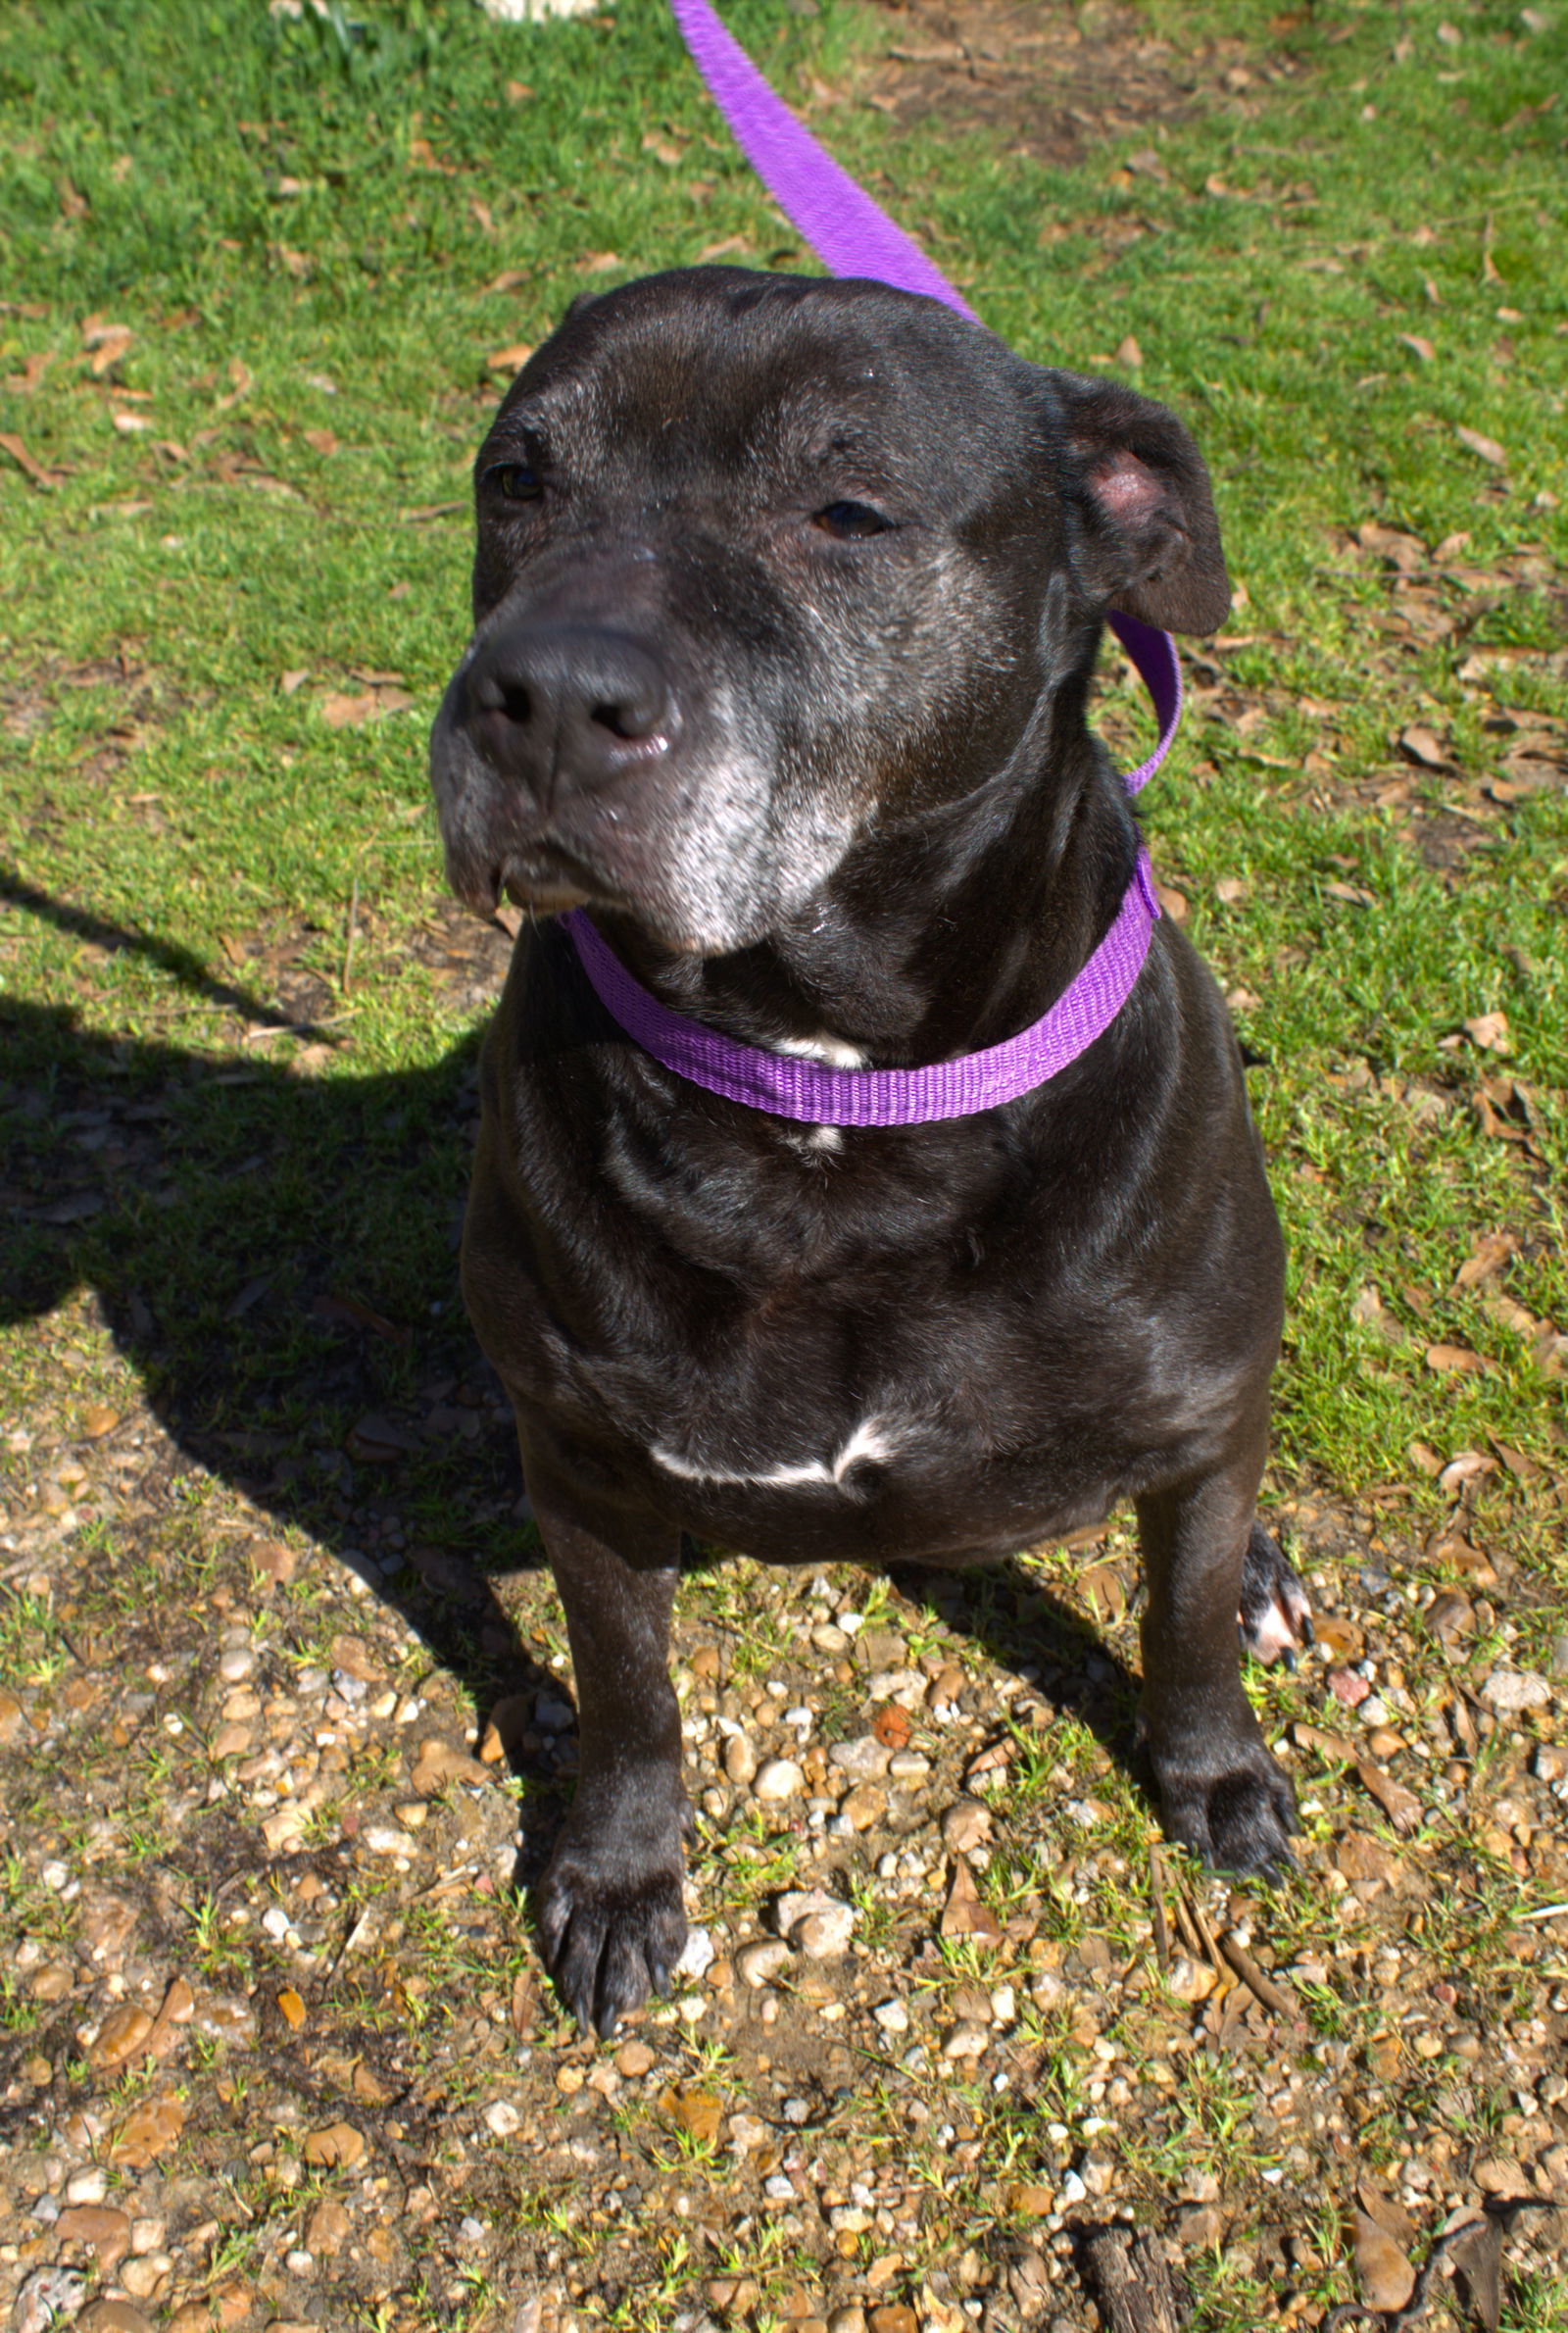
{"x": 1275, "y": 1618}
{"x": 1236, "y": 1811}
{"x": 613, "y": 1929}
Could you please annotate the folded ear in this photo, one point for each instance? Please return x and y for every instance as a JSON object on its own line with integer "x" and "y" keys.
{"x": 1147, "y": 539}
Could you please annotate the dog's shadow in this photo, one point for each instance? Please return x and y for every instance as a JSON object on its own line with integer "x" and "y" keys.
{"x": 276, "y": 1255}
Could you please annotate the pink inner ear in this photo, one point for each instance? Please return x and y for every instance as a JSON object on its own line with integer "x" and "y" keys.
{"x": 1125, "y": 489}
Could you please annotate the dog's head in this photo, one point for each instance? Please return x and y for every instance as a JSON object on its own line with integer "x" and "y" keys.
{"x": 767, "y": 561}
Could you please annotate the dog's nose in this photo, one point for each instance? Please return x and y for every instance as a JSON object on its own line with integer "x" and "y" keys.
{"x": 565, "y": 705}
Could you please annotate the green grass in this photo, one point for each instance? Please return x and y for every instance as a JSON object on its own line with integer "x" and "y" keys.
{"x": 298, "y": 234}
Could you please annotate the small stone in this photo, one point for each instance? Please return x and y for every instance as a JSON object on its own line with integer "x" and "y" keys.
{"x": 105, "y": 2231}
{"x": 825, "y": 1935}
{"x": 506, "y": 1726}
{"x": 120, "y": 2038}
{"x": 891, "y": 2017}
{"x": 503, "y": 2119}
{"x": 847, "y": 2320}
{"x": 740, "y": 1759}
{"x": 698, "y": 1956}
{"x": 864, "y": 1806}
{"x": 1511, "y": 1690}
{"x": 757, "y": 1964}
{"x": 1200, "y": 2226}
{"x": 237, "y": 1663}
{"x": 865, "y": 1757}
{"x": 895, "y": 2316}
{"x": 1450, "y": 1615}
{"x": 1550, "y": 1762}
{"x": 338, "y": 2146}
{"x": 909, "y": 1766}
{"x": 1028, "y": 2201}
{"x": 149, "y": 2132}
{"x": 965, "y": 2042}
{"x": 965, "y": 1825}
{"x": 1073, "y": 2191}
{"x": 10, "y": 1717}
{"x": 779, "y": 1778}
{"x": 327, "y": 2230}
{"x": 112, "y": 2316}
{"x": 1191, "y": 1980}
{"x": 87, "y": 2187}
{"x": 1500, "y": 2175}
{"x": 634, "y": 2059}
{"x": 439, "y": 1762}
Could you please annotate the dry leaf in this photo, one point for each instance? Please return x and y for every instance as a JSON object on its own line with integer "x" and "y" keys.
{"x": 891, "y": 1726}
{"x": 292, "y": 2008}
{"x": 1486, "y": 1258}
{"x": 598, "y": 262}
{"x": 1444, "y": 1359}
{"x": 661, "y": 149}
{"x": 347, "y": 713}
{"x": 698, "y": 2113}
{"x": 1386, "y": 2277}
{"x": 1488, "y": 1031}
{"x": 1172, "y": 903}
{"x": 732, "y": 247}
{"x": 1422, "y": 745}
{"x": 508, "y": 280}
{"x": 1401, "y": 1806}
{"x": 24, "y": 460}
{"x": 1353, "y": 893}
{"x": 1487, "y": 447}
{"x": 963, "y": 1914}
{"x": 1422, "y": 347}
{"x": 1130, "y": 354}
{"x": 510, "y": 360}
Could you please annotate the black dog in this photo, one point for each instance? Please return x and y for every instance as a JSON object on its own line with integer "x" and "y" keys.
{"x": 788, "y": 594}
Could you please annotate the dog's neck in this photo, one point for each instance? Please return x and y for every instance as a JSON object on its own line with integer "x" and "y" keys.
{"x": 931, "y": 942}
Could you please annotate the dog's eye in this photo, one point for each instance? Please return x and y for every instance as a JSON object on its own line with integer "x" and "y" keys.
{"x": 514, "y": 481}
{"x": 850, "y": 522}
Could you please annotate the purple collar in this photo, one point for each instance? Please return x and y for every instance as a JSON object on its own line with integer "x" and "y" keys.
{"x": 855, "y": 237}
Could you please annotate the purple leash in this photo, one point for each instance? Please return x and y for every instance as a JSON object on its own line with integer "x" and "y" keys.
{"x": 854, "y": 237}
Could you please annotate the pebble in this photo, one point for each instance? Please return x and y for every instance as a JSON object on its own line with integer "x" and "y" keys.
{"x": 891, "y": 2017}
{"x": 503, "y": 2119}
{"x": 740, "y": 1759}
{"x": 1510, "y": 1690}
{"x": 967, "y": 2041}
{"x": 909, "y": 1766}
{"x": 699, "y": 1955}
{"x": 864, "y": 1806}
{"x": 635, "y": 2059}
{"x": 865, "y": 1758}
{"x": 759, "y": 1963}
{"x": 237, "y": 1663}
{"x": 779, "y": 1778}
{"x": 965, "y": 1825}
{"x": 825, "y": 1935}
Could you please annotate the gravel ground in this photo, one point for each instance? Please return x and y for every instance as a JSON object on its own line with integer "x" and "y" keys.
{"x": 280, "y": 2051}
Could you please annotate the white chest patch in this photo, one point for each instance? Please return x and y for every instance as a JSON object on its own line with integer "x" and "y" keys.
{"x": 873, "y": 1441}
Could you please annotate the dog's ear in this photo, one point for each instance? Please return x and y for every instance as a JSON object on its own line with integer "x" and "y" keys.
{"x": 1147, "y": 539}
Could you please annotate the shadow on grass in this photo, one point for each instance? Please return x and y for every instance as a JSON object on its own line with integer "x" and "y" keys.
{"x": 275, "y": 1255}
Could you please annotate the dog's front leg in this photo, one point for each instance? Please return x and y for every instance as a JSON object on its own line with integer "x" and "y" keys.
{"x": 610, "y": 1906}
{"x": 1222, "y": 1793}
